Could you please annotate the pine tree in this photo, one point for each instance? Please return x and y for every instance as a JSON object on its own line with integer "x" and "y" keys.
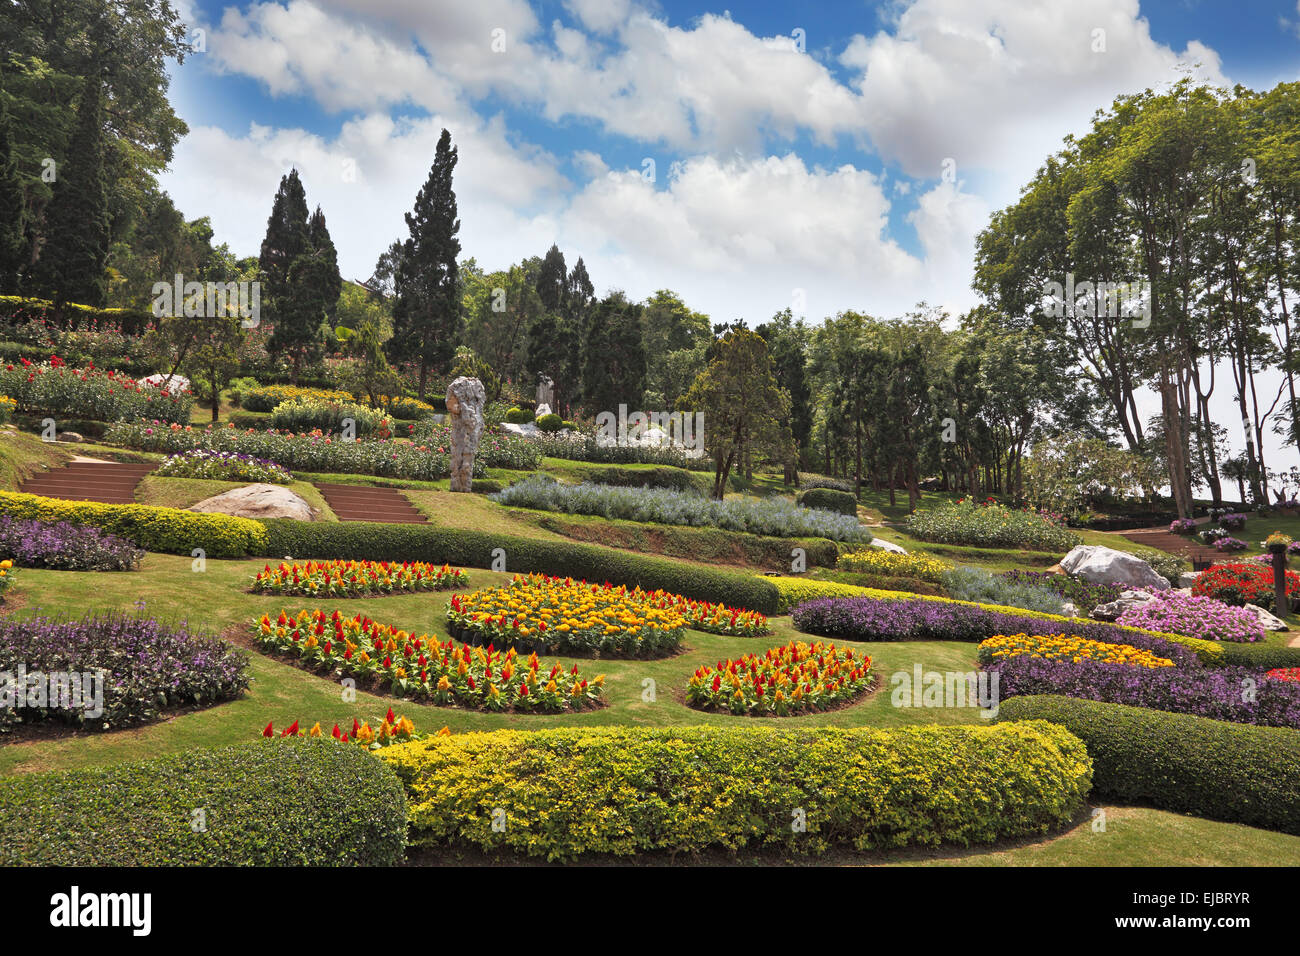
{"x": 318, "y": 238}
{"x": 427, "y": 313}
{"x": 552, "y": 280}
{"x": 613, "y": 370}
{"x": 300, "y": 275}
{"x": 13, "y": 243}
{"x": 71, "y": 263}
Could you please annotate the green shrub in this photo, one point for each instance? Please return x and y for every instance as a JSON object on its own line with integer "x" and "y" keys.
{"x": 1168, "y": 566}
{"x": 519, "y": 416}
{"x": 807, "y": 481}
{"x": 265, "y": 803}
{"x": 828, "y": 499}
{"x": 7, "y": 406}
{"x": 984, "y": 587}
{"x": 676, "y": 479}
{"x": 550, "y": 423}
{"x": 627, "y": 790}
{"x": 267, "y": 397}
{"x": 54, "y": 390}
{"x": 990, "y": 526}
{"x": 711, "y": 545}
{"x": 169, "y": 530}
{"x": 473, "y": 549}
{"x": 304, "y": 414}
{"x": 1225, "y": 771}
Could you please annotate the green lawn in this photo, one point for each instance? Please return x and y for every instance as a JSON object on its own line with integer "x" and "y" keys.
{"x": 23, "y": 454}
{"x": 184, "y": 492}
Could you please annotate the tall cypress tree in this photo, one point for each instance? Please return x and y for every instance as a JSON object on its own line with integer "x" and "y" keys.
{"x": 71, "y": 264}
{"x": 13, "y": 243}
{"x": 552, "y": 280}
{"x": 291, "y": 276}
{"x": 322, "y": 246}
{"x": 613, "y": 371}
{"x": 427, "y": 313}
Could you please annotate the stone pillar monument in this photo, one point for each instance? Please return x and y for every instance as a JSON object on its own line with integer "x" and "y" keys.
{"x": 545, "y": 392}
{"x": 465, "y": 400}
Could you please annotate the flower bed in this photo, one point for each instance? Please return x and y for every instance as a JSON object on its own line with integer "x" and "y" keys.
{"x": 1245, "y": 583}
{"x": 65, "y": 547}
{"x": 305, "y": 414}
{"x": 1220, "y": 693}
{"x": 793, "y": 679}
{"x": 266, "y": 397}
{"x": 148, "y": 667}
{"x": 7, "y": 576}
{"x": 1285, "y": 673}
{"x": 880, "y": 561}
{"x": 563, "y": 616}
{"x": 319, "y": 452}
{"x": 424, "y": 667}
{"x": 388, "y": 730}
{"x": 706, "y": 616}
{"x": 1203, "y": 617}
{"x": 1182, "y": 526}
{"x": 356, "y": 578}
{"x": 769, "y": 516}
{"x": 54, "y": 389}
{"x": 990, "y": 526}
{"x": 1228, "y": 543}
{"x": 902, "y": 619}
{"x": 222, "y": 466}
{"x": 1066, "y": 647}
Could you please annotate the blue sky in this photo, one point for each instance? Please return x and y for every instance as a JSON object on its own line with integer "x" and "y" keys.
{"x": 806, "y": 178}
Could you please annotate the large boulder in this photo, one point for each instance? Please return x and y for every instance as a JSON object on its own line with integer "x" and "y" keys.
{"x": 175, "y": 384}
{"x": 884, "y": 545}
{"x": 1266, "y": 619}
{"x": 258, "y": 501}
{"x": 1097, "y": 564}
{"x": 1127, "y": 599}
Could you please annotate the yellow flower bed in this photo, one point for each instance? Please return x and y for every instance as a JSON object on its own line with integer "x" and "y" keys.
{"x": 564, "y": 616}
{"x": 880, "y": 561}
{"x": 1066, "y": 647}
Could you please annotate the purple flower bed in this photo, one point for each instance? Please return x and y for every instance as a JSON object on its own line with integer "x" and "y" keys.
{"x": 1084, "y": 595}
{"x": 1194, "y": 616}
{"x": 1182, "y": 526}
{"x": 1206, "y": 692}
{"x": 880, "y": 619}
{"x": 1233, "y": 522}
{"x": 1229, "y": 544}
{"x": 148, "y": 667}
{"x": 66, "y": 547}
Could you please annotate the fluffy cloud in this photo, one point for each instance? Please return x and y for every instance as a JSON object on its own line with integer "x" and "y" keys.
{"x": 995, "y": 85}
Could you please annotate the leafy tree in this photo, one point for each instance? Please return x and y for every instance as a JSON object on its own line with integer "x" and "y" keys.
{"x": 613, "y": 370}
{"x": 71, "y": 263}
{"x": 744, "y": 407}
{"x": 13, "y": 240}
{"x": 787, "y": 340}
{"x": 552, "y": 280}
{"x": 427, "y": 313}
{"x": 213, "y": 361}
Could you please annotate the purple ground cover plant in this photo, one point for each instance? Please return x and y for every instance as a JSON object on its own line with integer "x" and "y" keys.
{"x": 65, "y": 547}
{"x": 883, "y": 619}
{"x": 1238, "y": 694}
{"x": 149, "y": 666}
{"x": 1194, "y": 616}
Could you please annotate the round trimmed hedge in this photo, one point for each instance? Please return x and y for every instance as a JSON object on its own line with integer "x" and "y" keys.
{"x": 828, "y": 499}
{"x": 571, "y": 792}
{"x": 1239, "y": 773}
{"x": 293, "y": 802}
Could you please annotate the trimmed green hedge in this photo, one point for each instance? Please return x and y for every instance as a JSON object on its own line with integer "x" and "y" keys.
{"x": 474, "y": 549}
{"x": 1261, "y": 655}
{"x": 676, "y": 479}
{"x": 1235, "y": 772}
{"x": 828, "y": 499}
{"x": 294, "y": 802}
{"x": 627, "y": 790}
{"x": 169, "y": 530}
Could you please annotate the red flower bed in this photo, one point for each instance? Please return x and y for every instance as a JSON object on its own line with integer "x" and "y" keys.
{"x": 1285, "y": 673}
{"x": 1243, "y": 584}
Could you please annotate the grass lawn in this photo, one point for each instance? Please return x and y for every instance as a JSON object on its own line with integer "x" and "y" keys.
{"x": 23, "y": 454}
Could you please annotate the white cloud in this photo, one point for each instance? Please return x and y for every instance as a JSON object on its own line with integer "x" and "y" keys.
{"x": 996, "y": 85}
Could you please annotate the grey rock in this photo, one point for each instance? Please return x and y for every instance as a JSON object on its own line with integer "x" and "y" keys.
{"x": 884, "y": 545}
{"x": 1127, "y": 599}
{"x": 1266, "y": 619}
{"x": 71, "y": 436}
{"x": 1069, "y": 609}
{"x": 257, "y": 501}
{"x": 1187, "y": 579}
{"x": 1098, "y": 564}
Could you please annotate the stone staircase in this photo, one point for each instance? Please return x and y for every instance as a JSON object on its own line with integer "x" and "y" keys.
{"x": 105, "y": 481}
{"x": 366, "y": 503}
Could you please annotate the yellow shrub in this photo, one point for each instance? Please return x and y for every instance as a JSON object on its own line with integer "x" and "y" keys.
{"x": 880, "y": 561}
